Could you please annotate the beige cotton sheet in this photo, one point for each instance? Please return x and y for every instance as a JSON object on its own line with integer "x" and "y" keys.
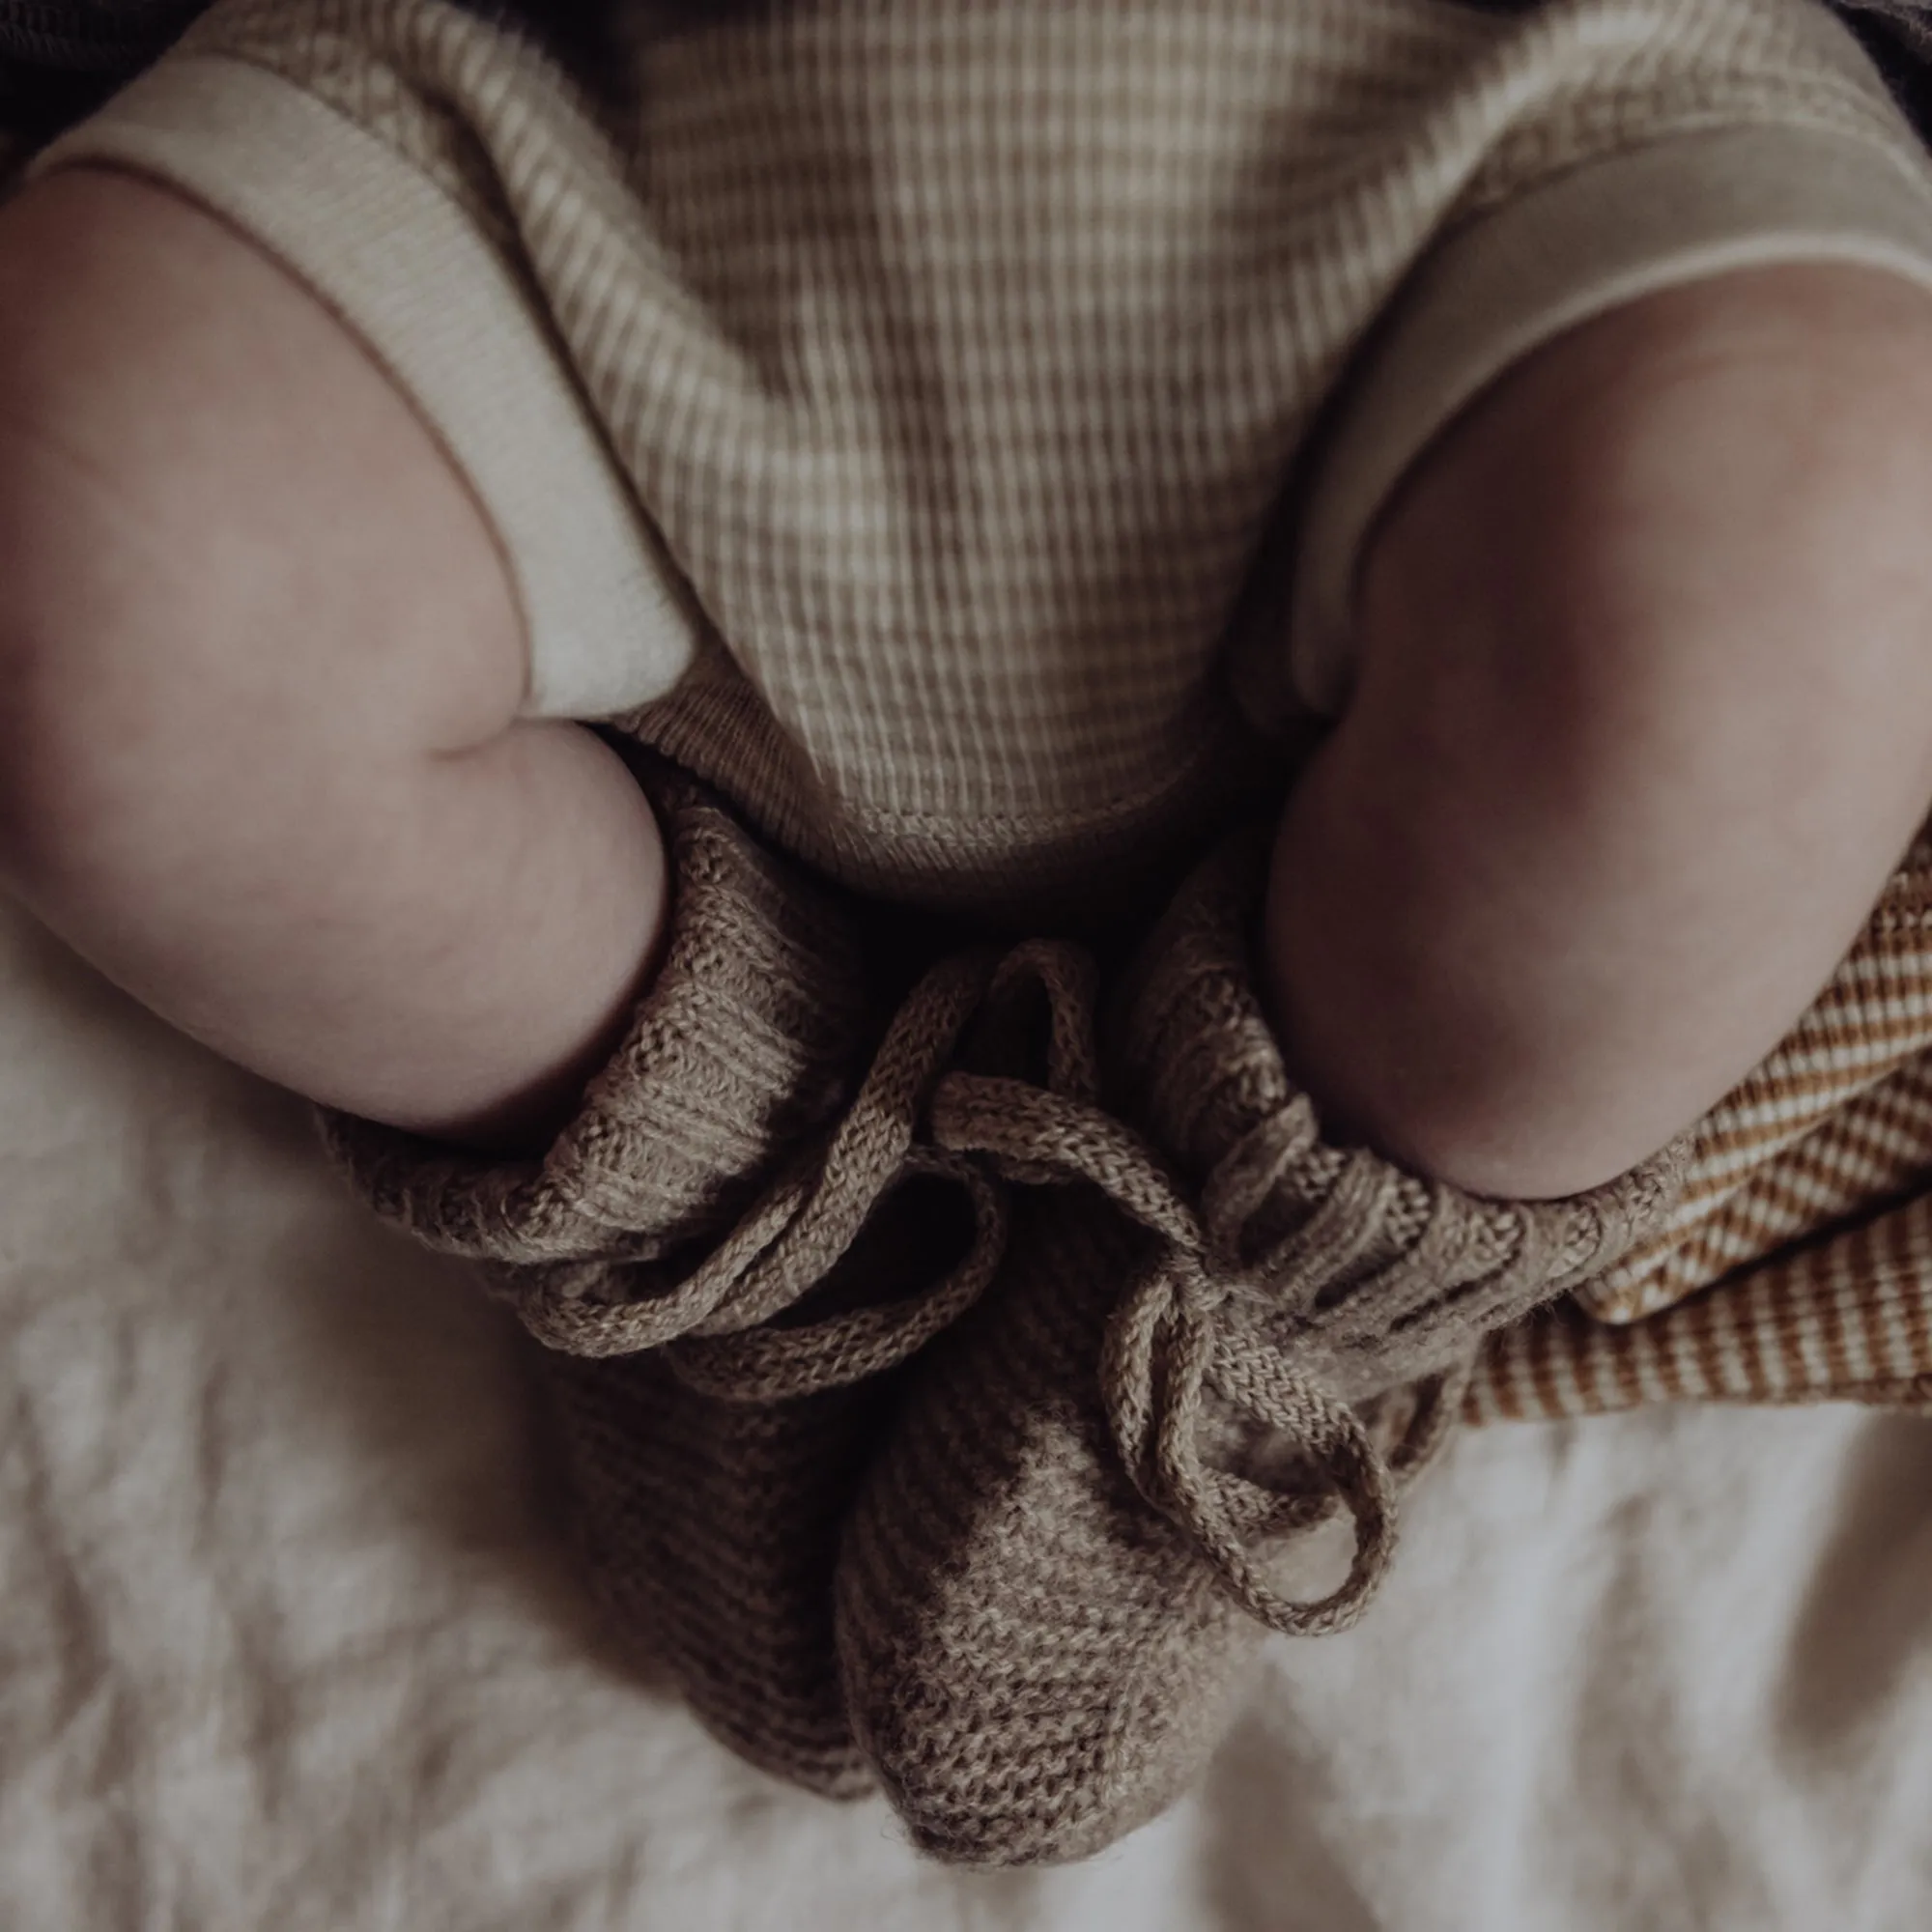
{"x": 288, "y": 1638}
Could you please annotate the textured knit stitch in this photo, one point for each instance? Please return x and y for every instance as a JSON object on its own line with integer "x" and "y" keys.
{"x": 1072, "y": 1540}
{"x": 1844, "y": 1318}
{"x": 960, "y": 356}
{"x": 748, "y": 1038}
{"x": 960, "y": 353}
{"x": 970, "y": 532}
{"x": 726, "y": 1174}
{"x": 1836, "y": 1119}
{"x": 1797, "y": 1264}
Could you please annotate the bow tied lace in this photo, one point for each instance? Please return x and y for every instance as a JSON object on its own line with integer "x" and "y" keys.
{"x": 715, "y": 1319}
{"x": 721, "y": 1326}
{"x": 1182, "y": 1341}
{"x": 1309, "y": 1286}
{"x": 1310, "y": 1283}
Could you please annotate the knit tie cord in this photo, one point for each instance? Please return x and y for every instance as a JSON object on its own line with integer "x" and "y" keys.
{"x": 1167, "y": 1348}
{"x": 797, "y": 1231}
{"x": 1385, "y": 1281}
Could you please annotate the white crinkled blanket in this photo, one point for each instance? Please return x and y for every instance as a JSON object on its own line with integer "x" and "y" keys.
{"x": 289, "y": 1639}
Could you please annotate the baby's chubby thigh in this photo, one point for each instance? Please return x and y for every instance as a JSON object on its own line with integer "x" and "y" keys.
{"x": 1643, "y": 719}
{"x": 261, "y": 666}
{"x": 205, "y": 461}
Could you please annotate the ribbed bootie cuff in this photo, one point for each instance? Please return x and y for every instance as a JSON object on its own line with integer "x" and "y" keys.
{"x": 748, "y": 1037}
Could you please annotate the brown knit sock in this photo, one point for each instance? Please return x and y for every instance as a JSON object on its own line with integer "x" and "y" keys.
{"x": 752, "y": 1035}
{"x": 725, "y": 1251}
{"x": 1217, "y": 1338}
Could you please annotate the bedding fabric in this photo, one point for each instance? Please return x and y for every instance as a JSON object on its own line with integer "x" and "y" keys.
{"x": 290, "y": 1638}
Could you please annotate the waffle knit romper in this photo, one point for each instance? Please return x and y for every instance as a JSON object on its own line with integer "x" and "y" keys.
{"x": 948, "y": 428}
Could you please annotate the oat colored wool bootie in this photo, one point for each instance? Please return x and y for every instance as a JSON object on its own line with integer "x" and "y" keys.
{"x": 725, "y": 1253}
{"x": 1214, "y": 1335}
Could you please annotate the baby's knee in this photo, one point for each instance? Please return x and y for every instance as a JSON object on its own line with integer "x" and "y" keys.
{"x": 1644, "y": 717}
{"x": 228, "y": 549}
{"x": 1712, "y": 499}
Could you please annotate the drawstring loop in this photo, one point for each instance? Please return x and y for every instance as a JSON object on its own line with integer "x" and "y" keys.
{"x": 1170, "y": 1344}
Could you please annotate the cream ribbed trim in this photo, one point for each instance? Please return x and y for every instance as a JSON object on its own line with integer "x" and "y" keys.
{"x": 609, "y": 624}
{"x": 1573, "y": 249}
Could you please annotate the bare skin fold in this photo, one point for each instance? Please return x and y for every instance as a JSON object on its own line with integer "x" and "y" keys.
{"x": 1643, "y": 719}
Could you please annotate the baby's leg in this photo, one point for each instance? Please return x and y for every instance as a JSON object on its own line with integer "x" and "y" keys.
{"x": 260, "y": 670}
{"x": 1644, "y": 719}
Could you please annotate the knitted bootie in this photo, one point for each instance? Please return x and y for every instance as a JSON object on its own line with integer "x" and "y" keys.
{"x": 725, "y": 1252}
{"x": 1105, "y": 1480}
